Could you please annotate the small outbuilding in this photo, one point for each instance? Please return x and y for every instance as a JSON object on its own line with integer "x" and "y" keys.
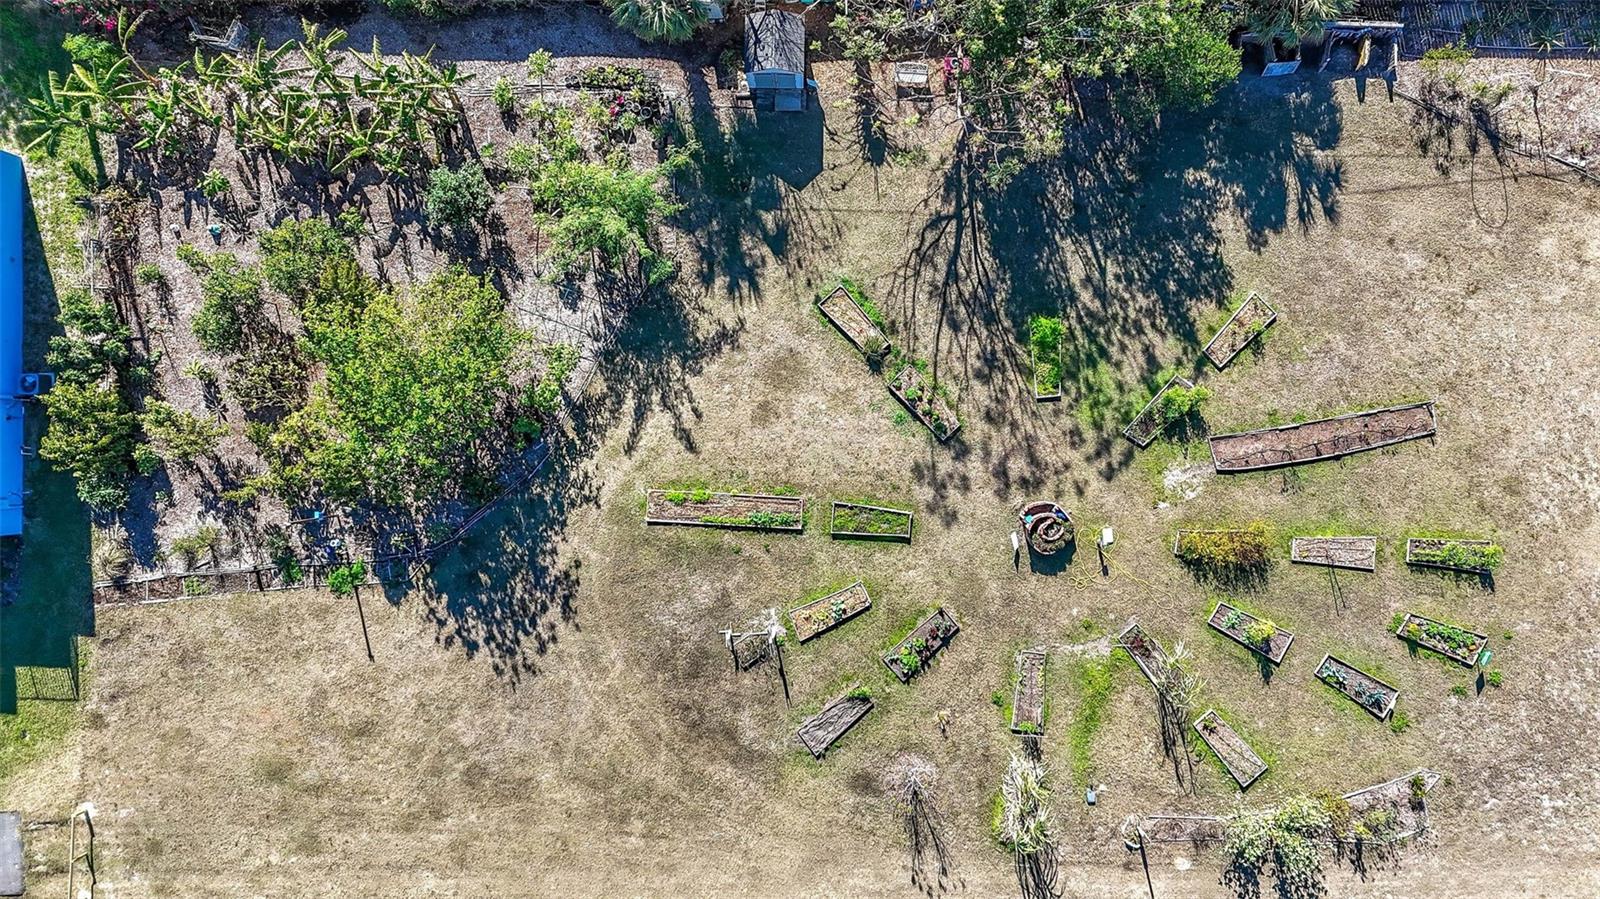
{"x": 775, "y": 59}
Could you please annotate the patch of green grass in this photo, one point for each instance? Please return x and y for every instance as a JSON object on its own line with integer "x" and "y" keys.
{"x": 1091, "y": 684}
{"x": 869, "y": 521}
{"x": 39, "y": 727}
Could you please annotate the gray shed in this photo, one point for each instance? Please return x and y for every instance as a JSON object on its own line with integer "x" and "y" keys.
{"x": 775, "y": 58}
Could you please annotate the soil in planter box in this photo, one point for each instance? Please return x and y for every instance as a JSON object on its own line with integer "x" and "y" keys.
{"x": 1273, "y": 649}
{"x": 1146, "y": 652}
{"x": 823, "y": 729}
{"x": 690, "y": 507}
{"x": 1243, "y": 327}
{"x": 912, "y": 655}
{"x": 928, "y": 404}
{"x": 1325, "y": 439}
{"x": 1242, "y": 762}
{"x": 1148, "y": 423}
{"x": 1357, "y": 553}
{"x": 840, "y": 308}
{"x": 1367, "y": 691}
{"x": 830, "y": 611}
{"x": 850, "y": 518}
{"x": 1027, "y": 706}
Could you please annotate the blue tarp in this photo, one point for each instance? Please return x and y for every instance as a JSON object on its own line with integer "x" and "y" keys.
{"x": 11, "y": 213}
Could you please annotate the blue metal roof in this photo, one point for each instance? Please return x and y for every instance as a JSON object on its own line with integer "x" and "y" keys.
{"x": 11, "y": 214}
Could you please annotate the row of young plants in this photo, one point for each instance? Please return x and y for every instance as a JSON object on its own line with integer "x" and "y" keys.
{"x": 1255, "y": 545}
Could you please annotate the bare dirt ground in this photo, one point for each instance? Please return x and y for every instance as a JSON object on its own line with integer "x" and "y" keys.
{"x": 554, "y": 713}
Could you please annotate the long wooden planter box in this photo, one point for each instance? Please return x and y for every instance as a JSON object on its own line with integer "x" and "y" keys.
{"x": 1148, "y": 424}
{"x": 1253, "y": 317}
{"x": 935, "y": 631}
{"x": 1351, "y": 686}
{"x": 1415, "y": 543}
{"x": 1145, "y": 651}
{"x": 837, "y": 530}
{"x": 844, "y": 313}
{"x": 939, "y": 417}
{"x": 1354, "y": 553}
{"x": 822, "y": 615}
{"x": 1468, "y": 658}
{"x": 1276, "y": 649}
{"x": 1039, "y": 393}
{"x": 1027, "y": 700}
{"x": 823, "y": 729}
{"x": 1242, "y": 762}
{"x": 725, "y": 510}
{"x": 1327, "y": 438}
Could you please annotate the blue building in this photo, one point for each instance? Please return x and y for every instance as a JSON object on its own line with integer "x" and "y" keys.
{"x": 11, "y": 380}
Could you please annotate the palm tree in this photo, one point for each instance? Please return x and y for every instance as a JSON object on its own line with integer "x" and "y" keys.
{"x": 1292, "y": 21}
{"x": 659, "y": 20}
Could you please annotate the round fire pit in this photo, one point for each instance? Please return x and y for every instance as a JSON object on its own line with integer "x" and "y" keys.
{"x": 1048, "y": 526}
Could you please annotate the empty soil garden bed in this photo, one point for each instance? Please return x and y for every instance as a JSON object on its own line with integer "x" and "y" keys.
{"x": 1145, "y": 651}
{"x": 1454, "y": 643}
{"x": 842, "y": 310}
{"x": 823, "y": 729}
{"x": 726, "y": 510}
{"x": 1149, "y": 422}
{"x": 1398, "y": 797}
{"x": 822, "y": 615}
{"x": 1242, "y": 762}
{"x": 1027, "y": 700}
{"x": 913, "y": 654}
{"x": 1247, "y": 323}
{"x": 869, "y": 522}
{"x": 1470, "y": 556}
{"x": 1354, "y": 553}
{"x": 1234, "y": 623}
{"x": 1328, "y": 438}
{"x": 912, "y": 389}
{"x": 1377, "y": 697}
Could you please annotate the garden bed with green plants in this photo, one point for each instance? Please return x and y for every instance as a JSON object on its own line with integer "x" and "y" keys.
{"x": 1175, "y": 400}
{"x": 1027, "y": 699}
{"x": 1145, "y": 651}
{"x": 822, "y": 615}
{"x": 822, "y": 730}
{"x": 1259, "y": 635}
{"x": 1045, "y": 335}
{"x": 1248, "y": 322}
{"x": 1397, "y": 807}
{"x": 706, "y": 508}
{"x": 860, "y": 520}
{"x": 1471, "y": 556}
{"x": 929, "y": 404}
{"x": 1327, "y": 438}
{"x": 1245, "y": 548}
{"x": 1354, "y": 553}
{"x": 1238, "y": 759}
{"x": 1457, "y": 644}
{"x": 857, "y": 319}
{"x": 1377, "y": 697}
{"x": 913, "y": 653}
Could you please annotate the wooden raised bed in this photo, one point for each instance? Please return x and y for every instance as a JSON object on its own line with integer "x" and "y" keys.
{"x": 1377, "y": 697}
{"x": 1194, "y": 829}
{"x": 844, "y": 313}
{"x": 1414, "y": 629}
{"x": 750, "y": 511}
{"x": 823, "y": 729}
{"x": 1394, "y": 796}
{"x": 1417, "y": 549}
{"x": 1328, "y": 438}
{"x": 859, "y": 520}
{"x": 1242, "y": 762}
{"x": 1275, "y": 649}
{"x": 1253, "y": 317}
{"x": 822, "y": 615}
{"x": 930, "y": 635}
{"x": 1027, "y": 700}
{"x": 1041, "y": 393}
{"x": 1145, "y": 651}
{"x": 1354, "y": 553}
{"x": 929, "y": 406}
{"x": 1147, "y": 424}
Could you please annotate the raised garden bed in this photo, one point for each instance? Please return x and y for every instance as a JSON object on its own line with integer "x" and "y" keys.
{"x": 1328, "y": 438}
{"x": 862, "y": 521}
{"x": 841, "y": 309}
{"x": 821, "y": 615}
{"x": 1247, "y": 323}
{"x": 750, "y": 649}
{"x": 1149, "y": 422}
{"x": 1197, "y": 830}
{"x": 703, "y": 508}
{"x": 1044, "y": 347}
{"x": 1027, "y": 701}
{"x": 1046, "y": 379}
{"x": 1471, "y": 556}
{"x": 1457, "y": 644}
{"x": 1354, "y": 553}
{"x": 911, "y": 388}
{"x": 919, "y": 647}
{"x": 1145, "y": 651}
{"x": 1235, "y": 624}
{"x": 1377, "y": 697}
{"x": 823, "y": 729}
{"x": 1242, "y": 762}
{"x": 1405, "y": 797}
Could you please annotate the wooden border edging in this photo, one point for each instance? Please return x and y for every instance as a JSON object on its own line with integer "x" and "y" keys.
{"x": 1175, "y": 379}
{"x": 843, "y": 728}
{"x": 1244, "y": 783}
{"x": 822, "y": 306}
{"x": 1212, "y": 621}
{"x": 895, "y": 650}
{"x": 1433, "y": 429}
{"x": 1043, "y": 655}
{"x": 858, "y": 585}
{"x": 1330, "y": 657}
{"x": 792, "y": 528}
{"x": 1038, "y": 396}
{"x": 1272, "y": 316}
{"x": 864, "y": 535}
{"x": 1294, "y": 549}
{"x": 1122, "y": 642}
{"x": 892, "y": 385}
{"x": 1469, "y": 662}
{"x": 1423, "y": 563}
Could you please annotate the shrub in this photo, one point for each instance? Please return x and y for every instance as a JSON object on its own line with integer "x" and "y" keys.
{"x": 270, "y": 381}
{"x": 457, "y": 198}
{"x": 214, "y": 185}
{"x": 231, "y": 304}
{"x": 203, "y": 539}
{"x": 504, "y": 98}
{"x": 149, "y": 273}
{"x": 180, "y": 435}
{"x": 1494, "y": 678}
{"x": 1459, "y": 555}
{"x": 544, "y": 395}
{"x": 659, "y": 20}
{"x": 344, "y": 580}
{"x": 1181, "y": 402}
{"x": 604, "y": 213}
{"x": 294, "y": 255}
{"x": 95, "y": 343}
{"x": 146, "y": 460}
{"x": 1249, "y": 547}
{"x": 91, "y": 435}
{"x": 1261, "y": 632}
{"x": 110, "y": 556}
